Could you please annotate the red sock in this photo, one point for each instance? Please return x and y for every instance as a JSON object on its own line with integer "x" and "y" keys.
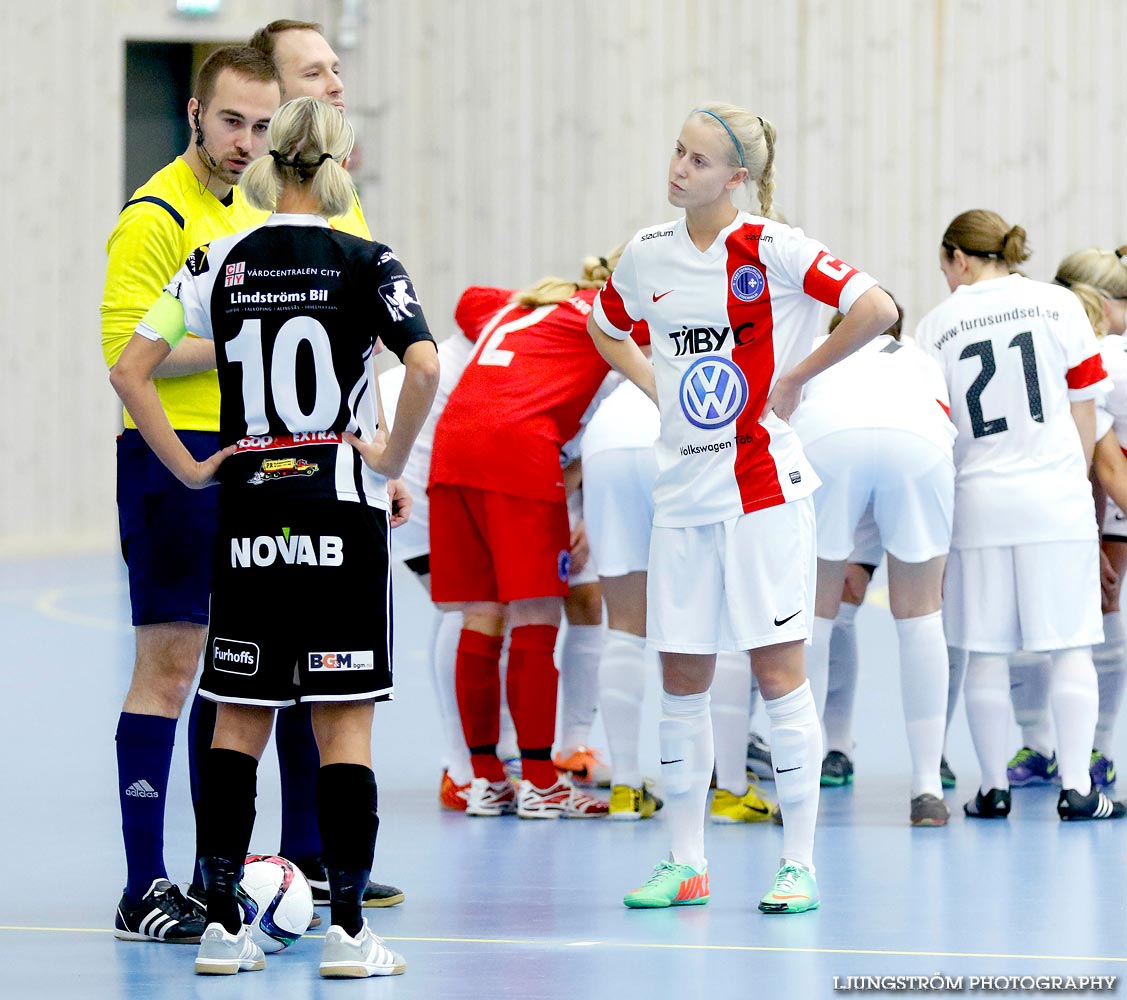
{"x": 532, "y": 685}
{"x": 477, "y": 682}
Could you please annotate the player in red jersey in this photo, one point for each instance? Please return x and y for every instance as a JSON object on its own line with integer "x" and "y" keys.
{"x": 500, "y": 537}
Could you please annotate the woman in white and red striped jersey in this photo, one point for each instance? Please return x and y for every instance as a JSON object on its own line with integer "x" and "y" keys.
{"x": 732, "y": 301}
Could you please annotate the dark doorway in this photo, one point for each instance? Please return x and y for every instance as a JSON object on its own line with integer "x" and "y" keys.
{"x": 158, "y": 82}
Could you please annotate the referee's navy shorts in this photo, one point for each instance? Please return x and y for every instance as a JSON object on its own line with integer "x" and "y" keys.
{"x": 167, "y": 531}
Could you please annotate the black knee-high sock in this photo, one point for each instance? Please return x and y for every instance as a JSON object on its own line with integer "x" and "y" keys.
{"x": 228, "y": 785}
{"x": 346, "y": 808}
{"x": 201, "y": 728}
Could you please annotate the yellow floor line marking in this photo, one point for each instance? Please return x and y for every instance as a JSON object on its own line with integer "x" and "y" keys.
{"x": 656, "y": 945}
{"x": 47, "y": 601}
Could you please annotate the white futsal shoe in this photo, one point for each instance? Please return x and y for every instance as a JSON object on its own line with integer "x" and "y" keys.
{"x": 346, "y": 957}
{"x": 224, "y": 954}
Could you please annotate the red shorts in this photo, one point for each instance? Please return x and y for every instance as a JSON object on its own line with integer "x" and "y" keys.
{"x": 487, "y": 546}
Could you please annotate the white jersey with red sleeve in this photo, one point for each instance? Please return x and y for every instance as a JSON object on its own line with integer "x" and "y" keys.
{"x": 887, "y": 383}
{"x": 725, "y": 323}
{"x": 1113, "y": 350}
{"x": 1015, "y": 353}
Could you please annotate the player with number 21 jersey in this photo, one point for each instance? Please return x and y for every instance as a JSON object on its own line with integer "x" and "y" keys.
{"x": 1015, "y": 353}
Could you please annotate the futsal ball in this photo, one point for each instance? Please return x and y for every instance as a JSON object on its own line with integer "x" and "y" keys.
{"x": 277, "y": 900}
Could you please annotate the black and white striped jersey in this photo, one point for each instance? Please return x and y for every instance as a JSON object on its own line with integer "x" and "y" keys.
{"x": 295, "y": 309}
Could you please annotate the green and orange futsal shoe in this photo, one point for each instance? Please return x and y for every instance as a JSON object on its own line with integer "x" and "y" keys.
{"x": 670, "y": 885}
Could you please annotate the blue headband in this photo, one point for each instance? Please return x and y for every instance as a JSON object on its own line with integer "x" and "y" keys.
{"x": 739, "y": 150}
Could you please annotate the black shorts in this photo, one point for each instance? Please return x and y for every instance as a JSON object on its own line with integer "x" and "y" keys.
{"x": 300, "y": 604}
{"x": 167, "y": 531}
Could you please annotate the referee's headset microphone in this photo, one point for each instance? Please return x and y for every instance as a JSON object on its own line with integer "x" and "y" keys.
{"x": 199, "y": 140}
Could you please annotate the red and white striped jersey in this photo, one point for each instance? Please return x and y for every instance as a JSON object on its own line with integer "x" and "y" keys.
{"x": 724, "y": 324}
{"x": 888, "y": 384}
{"x": 1014, "y": 353}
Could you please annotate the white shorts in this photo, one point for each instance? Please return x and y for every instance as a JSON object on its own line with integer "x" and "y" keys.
{"x": 868, "y": 549}
{"x": 588, "y": 574}
{"x": 739, "y": 584}
{"x": 618, "y": 507}
{"x": 1037, "y": 597}
{"x": 1115, "y": 522}
{"x": 908, "y": 479}
{"x": 411, "y": 540}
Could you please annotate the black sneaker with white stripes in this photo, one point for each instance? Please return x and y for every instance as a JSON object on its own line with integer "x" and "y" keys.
{"x": 162, "y": 915}
{"x": 375, "y": 893}
{"x": 1094, "y": 805}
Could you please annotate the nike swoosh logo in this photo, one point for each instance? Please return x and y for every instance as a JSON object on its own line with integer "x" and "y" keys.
{"x": 661, "y": 296}
{"x": 679, "y": 760}
{"x": 785, "y": 769}
{"x": 758, "y": 809}
{"x": 788, "y": 618}
{"x": 775, "y": 895}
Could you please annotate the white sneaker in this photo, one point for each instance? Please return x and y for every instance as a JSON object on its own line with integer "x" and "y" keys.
{"x": 223, "y": 954}
{"x": 345, "y": 957}
{"x": 561, "y": 799}
{"x": 488, "y": 798}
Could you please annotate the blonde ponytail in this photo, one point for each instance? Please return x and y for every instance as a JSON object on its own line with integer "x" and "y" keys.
{"x": 309, "y": 140}
{"x": 751, "y": 145}
{"x": 549, "y": 291}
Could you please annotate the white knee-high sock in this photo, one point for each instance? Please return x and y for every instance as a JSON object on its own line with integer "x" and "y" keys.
{"x": 956, "y": 670}
{"x": 579, "y": 683}
{"x": 796, "y": 752}
{"x": 923, "y": 690}
{"x": 1110, "y": 658}
{"x": 818, "y": 662}
{"x": 1029, "y": 692}
{"x": 988, "y": 711}
{"x": 507, "y": 742}
{"x": 685, "y": 738}
{"x": 730, "y": 704}
{"x": 1075, "y": 700}
{"x": 837, "y": 716}
{"x": 444, "y": 654}
{"x": 622, "y": 687}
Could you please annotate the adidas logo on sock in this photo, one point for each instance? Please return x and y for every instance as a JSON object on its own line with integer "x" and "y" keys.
{"x": 142, "y": 790}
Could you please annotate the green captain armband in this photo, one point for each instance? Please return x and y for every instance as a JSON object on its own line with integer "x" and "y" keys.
{"x": 164, "y": 320}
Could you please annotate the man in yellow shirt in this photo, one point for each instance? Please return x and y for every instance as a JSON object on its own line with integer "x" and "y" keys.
{"x": 307, "y": 67}
{"x": 166, "y": 529}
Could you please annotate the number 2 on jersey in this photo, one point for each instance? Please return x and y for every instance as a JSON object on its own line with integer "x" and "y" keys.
{"x": 491, "y": 352}
{"x": 984, "y": 350}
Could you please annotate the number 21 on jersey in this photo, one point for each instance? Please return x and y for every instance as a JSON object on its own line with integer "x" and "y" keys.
{"x": 984, "y": 351}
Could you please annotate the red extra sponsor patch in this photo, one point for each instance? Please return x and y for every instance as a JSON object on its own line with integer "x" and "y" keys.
{"x": 268, "y": 442}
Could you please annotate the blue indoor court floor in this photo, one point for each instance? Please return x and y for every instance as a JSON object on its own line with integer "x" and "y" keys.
{"x": 506, "y": 908}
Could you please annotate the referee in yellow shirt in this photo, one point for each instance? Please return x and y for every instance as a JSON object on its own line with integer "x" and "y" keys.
{"x": 166, "y": 529}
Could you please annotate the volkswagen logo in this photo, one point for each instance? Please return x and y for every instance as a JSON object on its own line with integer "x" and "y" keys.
{"x": 747, "y": 283}
{"x": 713, "y": 392}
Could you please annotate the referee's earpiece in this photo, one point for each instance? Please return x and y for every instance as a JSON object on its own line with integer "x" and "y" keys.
{"x": 199, "y": 140}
